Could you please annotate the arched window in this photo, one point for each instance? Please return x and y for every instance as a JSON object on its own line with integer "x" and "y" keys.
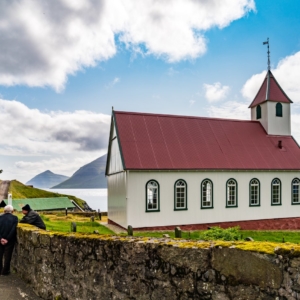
{"x": 258, "y": 112}
{"x": 254, "y": 192}
{"x": 276, "y": 192}
{"x": 231, "y": 193}
{"x": 206, "y": 194}
{"x": 278, "y": 110}
{"x": 295, "y": 191}
{"x": 152, "y": 196}
{"x": 180, "y": 195}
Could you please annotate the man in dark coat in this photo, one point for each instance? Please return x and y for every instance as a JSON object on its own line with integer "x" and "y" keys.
{"x": 8, "y": 233}
{"x": 32, "y": 217}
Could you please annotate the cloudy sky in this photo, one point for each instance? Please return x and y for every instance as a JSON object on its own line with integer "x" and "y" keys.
{"x": 65, "y": 63}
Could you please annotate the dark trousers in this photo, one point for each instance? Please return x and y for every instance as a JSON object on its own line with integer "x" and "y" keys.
{"x": 5, "y": 257}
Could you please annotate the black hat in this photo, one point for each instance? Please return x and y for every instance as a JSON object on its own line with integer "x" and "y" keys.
{"x": 26, "y": 207}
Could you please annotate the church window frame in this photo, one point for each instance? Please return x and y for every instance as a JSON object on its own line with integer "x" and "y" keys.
{"x": 207, "y": 193}
{"x": 180, "y": 195}
{"x": 276, "y": 192}
{"x": 278, "y": 109}
{"x": 152, "y": 196}
{"x": 295, "y": 191}
{"x": 231, "y": 193}
{"x": 258, "y": 112}
{"x": 254, "y": 192}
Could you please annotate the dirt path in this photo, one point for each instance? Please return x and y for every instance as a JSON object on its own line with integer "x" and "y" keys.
{"x": 14, "y": 288}
{"x": 4, "y": 186}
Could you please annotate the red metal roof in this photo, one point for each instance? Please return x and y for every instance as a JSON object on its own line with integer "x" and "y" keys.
{"x": 270, "y": 90}
{"x": 168, "y": 142}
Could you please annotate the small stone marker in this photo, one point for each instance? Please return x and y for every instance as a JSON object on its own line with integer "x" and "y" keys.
{"x": 177, "y": 232}
{"x": 92, "y": 219}
{"x": 130, "y": 230}
{"x": 73, "y": 227}
{"x": 99, "y": 214}
{"x": 249, "y": 239}
{"x": 66, "y": 211}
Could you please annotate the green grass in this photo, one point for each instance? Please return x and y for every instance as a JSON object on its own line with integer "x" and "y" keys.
{"x": 62, "y": 223}
{"x": 261, "y": 236}
{"x": 82, "y": 227}
{"x": 21, "y": 191}
{"x": 272, "y": 236}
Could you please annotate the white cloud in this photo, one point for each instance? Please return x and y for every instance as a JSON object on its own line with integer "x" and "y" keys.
{"x": 41, "y": 44}
{"x": 113, "y": 82}
{"x": 295, "y": 120}
{"x": 29, "y": 132}
{"x": 192, "y": 102}
{"x": 287, "y": 75}
{"x": 171, "y": 72}
{"x": 230, "y": 110}
{"x": 215, "y": 92}
{"x": 32, "y": 141}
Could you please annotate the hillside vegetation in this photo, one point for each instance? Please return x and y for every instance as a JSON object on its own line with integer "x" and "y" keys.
{"x": 21, "y": 191}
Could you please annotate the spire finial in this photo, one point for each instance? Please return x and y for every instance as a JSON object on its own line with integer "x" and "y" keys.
{"x": 267, "y": 43}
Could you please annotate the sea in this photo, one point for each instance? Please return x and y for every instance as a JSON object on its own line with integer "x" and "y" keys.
{"x": 95, "y": 198}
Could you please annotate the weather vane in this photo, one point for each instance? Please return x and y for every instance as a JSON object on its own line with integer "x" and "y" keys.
{"x": 267, "y": 43}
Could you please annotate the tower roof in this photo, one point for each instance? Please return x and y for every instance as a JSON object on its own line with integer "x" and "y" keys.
{"x": 270, "y": 90}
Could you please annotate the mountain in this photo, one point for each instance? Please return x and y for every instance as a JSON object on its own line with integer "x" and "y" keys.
{"x": 46, "y": 179}
{"x": 90, "y": 176}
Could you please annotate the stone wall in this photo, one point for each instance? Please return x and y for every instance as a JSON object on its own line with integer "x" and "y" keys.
{"x": 75, "y": 266}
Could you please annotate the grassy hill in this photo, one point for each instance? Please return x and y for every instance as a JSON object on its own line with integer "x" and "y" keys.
{"x": 21, "y": 191}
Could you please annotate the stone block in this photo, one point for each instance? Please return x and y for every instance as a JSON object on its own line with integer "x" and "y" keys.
{"x": 246, "y": 267}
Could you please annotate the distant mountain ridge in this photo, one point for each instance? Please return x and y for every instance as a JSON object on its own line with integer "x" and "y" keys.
{"x": 89, "y": 176}
{"x": 46, "y": 179}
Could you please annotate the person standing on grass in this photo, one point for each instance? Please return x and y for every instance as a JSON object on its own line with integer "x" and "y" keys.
{"x": 32, "y": 217}
{"x": 8, "y": 233}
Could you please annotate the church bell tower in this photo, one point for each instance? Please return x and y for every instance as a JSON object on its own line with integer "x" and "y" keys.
{"x": 271, "y": 105}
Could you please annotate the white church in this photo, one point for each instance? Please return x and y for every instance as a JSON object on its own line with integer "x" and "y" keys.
{"x": 194, "y": 172}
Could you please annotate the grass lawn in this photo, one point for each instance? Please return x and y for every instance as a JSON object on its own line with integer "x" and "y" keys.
{"x": 257, "y": 235}
{"x": 273, "y": 236}
{"x": 62, "y": 223}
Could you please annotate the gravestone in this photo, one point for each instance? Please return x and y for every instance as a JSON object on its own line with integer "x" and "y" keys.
{"x": 130, "y": 230}
{"x": 177, "y": 232}
{"x": 73, "y": 227}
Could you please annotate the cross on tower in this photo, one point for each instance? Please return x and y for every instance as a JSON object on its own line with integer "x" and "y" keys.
{"x": 267, "y": 43}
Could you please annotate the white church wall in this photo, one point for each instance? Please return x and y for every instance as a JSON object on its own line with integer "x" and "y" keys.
{"x": 116, "y": 194}
{"x": 272, "y": 124}
{"x": 264, "y": 115}
{"x": 136, "y": 203}
{"x": 279, "y": 125}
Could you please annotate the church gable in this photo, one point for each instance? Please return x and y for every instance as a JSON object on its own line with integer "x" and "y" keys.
{"x": 114, "y": 158}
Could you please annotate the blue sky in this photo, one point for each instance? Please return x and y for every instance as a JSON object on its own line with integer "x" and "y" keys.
{"x": 63, "y": 68}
